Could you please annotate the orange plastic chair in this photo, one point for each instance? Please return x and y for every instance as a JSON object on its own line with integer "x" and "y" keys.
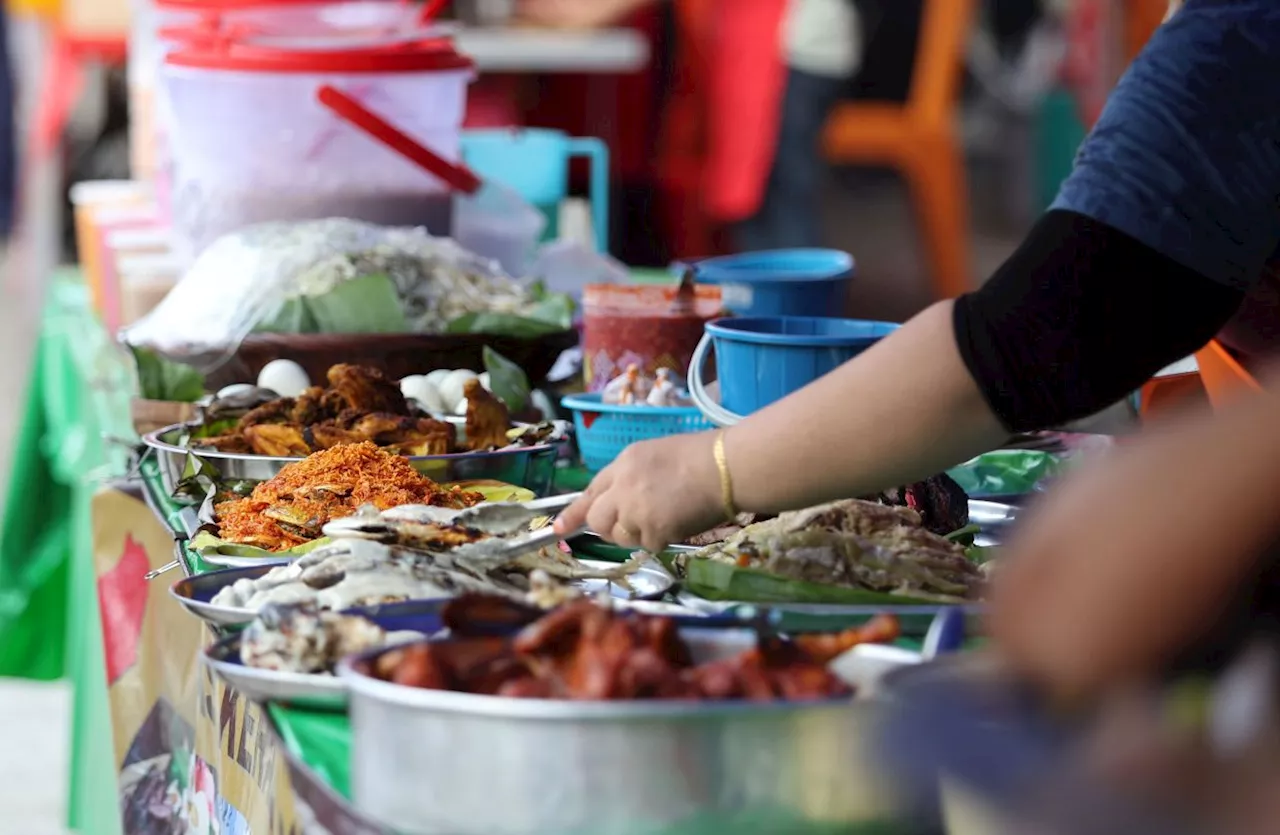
{"x": 1170, "y": 394}
{"x": 1223, "y": 376}
{"x": 1141, "y": 18}
{"x": 920, "y": 139}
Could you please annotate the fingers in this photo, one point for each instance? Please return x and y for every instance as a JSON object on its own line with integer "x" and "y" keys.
{"x": 575, "y": 516}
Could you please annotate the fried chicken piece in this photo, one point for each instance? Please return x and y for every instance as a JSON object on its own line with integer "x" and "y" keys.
{"x": 408, "y": 435}
{"x": 276, "y": 411}
{"x": 584, "y": 651}
{"x": 328, "y": 435}
{"x": 487, "y": 418}
{"x": 823, "y": 648}
{"x": 367, "y": 389}
{"x": 237, "y": 443}
{"x": 316, "y": 405}
{"x": 278, "y": 440}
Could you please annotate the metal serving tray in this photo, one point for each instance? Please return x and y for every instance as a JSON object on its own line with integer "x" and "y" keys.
{"x": 427, "y": 762}
{"x": 532, "y": 467}
{"x": 650, "y": 582}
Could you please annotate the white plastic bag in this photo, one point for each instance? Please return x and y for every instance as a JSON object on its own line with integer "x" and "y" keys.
{"x": 247, "y": 277}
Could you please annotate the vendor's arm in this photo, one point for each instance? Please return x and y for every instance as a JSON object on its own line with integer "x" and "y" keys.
{"x": 1140, "y": 557}
{"x": 1170, "y": 211}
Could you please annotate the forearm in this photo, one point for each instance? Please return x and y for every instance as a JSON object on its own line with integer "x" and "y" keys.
{"x": 904, "y": 410}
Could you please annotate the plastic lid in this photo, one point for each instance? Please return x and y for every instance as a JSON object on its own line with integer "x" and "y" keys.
{"x": 147, "y": 237}
{"x": 648, "y": 300}
{"x": 98, "y": 191}
{"x": 142, "y": 212}
{"x": 235, "y": 5}
{"x": 419, "y": 56}
{"x": 150, "y": 267}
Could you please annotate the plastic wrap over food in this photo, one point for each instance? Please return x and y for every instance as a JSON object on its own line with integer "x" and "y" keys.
{"x": 246, "y": 279}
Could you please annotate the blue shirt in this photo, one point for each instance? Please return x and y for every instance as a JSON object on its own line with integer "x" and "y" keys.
{"x": 1186, "y": 154}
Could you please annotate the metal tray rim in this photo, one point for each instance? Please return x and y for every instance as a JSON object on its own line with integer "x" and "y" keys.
{"x": 275, "y": 685}
{"x": 156, "y": 441}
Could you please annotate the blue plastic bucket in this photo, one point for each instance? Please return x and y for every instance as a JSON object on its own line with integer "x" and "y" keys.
{"x": 780, "y": 282}
{"x": 761, "y": 360}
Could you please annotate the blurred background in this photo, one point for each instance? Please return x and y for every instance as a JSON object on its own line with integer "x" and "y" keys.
{"x": 949, "y": 133}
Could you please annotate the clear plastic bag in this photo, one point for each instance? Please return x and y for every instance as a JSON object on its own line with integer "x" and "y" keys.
{"x": 247, "y": 278}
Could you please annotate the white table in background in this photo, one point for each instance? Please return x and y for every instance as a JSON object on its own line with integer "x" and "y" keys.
{"x": 528, "y": 50}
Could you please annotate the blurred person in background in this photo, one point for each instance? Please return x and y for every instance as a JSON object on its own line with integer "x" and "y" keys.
{"x": 1167, "y": 223}
{"x": 8, "y": 133}
{"x": 766, "y": 166}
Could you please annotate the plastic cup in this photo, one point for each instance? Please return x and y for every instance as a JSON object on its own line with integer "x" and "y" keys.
{"x": 145, "y": 279}
{"x": 89, "y": 200}
{"x": 498, "y": 223}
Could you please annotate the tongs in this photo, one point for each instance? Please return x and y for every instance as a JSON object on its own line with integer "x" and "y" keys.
{"x": 507, "y": 524}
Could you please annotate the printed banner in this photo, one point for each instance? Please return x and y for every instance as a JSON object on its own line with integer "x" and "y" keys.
{"x": 193, "y": 756}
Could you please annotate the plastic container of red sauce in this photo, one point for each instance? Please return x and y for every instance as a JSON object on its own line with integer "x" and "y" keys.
{"x": 642, "y": 325}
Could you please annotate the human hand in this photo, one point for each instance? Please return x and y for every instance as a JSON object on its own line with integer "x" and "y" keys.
{"x": 577, "y": 14}
{"x": 1133, "y": 560}
{"x": 655, "y": 493}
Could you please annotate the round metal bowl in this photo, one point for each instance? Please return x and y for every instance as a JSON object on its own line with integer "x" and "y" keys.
{"x": 532, "y": 467}
{"x": 428, "y": 761}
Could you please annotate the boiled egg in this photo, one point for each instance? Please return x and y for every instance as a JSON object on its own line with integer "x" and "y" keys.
{"x": 285, "y": 377}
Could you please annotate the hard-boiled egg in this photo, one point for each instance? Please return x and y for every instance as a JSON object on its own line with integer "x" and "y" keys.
{"x": 451, "y": 387}
{"x": 418, "y": 387}
{"x": 484, "y": 381}
{"x": 438, "y": 376}
{"x": 285, "y": 377}
{"x": 461, "y": 408}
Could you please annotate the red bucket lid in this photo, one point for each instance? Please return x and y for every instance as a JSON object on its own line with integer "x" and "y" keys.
{"x": 419, "y": 56}
{"x": 235, "y": 5}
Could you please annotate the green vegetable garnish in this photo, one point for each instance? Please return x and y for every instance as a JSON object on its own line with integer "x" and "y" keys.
{"x": 507, "y": 380}
{"x": 162, "y": 379}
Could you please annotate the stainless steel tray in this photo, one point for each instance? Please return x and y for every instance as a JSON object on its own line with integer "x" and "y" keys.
{"x": 324, "y": 692}
{"x": 532, "y": 467}
{"x": 228, "y": 561}
{"x": 651, "y": 582}
{"x": 613, "y": 768}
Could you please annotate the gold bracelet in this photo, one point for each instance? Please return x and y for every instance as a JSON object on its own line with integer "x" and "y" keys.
{"x": 726, "y": 481}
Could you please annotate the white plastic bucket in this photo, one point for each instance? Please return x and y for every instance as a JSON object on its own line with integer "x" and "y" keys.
{"x": 251, "y": 142}
{"x": 160, "y": 27}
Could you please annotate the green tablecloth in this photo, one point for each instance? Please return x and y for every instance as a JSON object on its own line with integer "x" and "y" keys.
{"x": 49, "y": 620}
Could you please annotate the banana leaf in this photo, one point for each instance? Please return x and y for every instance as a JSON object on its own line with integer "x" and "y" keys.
{"x": 1006, "y": 472}
{"x": 497, "y": 491}
{"x": 716, "y": 580}
{"x": 207, "y": 544}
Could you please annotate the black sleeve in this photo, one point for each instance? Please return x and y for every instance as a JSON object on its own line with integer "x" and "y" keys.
{"x": 1080, "y": 316}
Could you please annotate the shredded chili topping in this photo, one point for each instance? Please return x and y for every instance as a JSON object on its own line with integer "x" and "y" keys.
{"x": 291, "y": 508}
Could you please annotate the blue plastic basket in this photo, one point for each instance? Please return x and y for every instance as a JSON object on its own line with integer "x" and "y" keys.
{"x": 605, "y": 430}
